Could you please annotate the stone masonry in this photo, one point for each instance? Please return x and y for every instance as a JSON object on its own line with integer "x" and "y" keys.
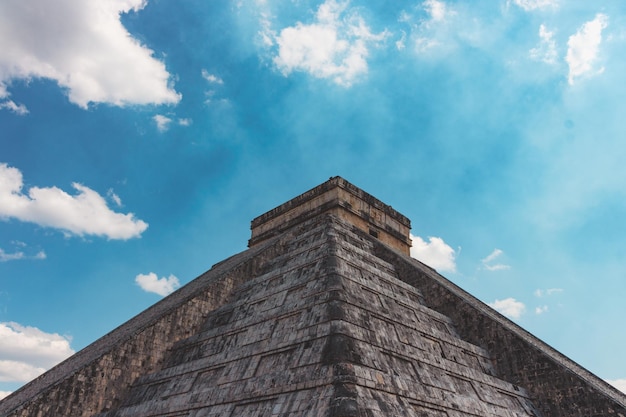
{"x": 324, "y": 315}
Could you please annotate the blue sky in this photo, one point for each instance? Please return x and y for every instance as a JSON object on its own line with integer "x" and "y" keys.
{"x": 139, "y": 138}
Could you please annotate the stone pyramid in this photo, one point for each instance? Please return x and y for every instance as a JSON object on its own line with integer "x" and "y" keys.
{"x": 324, "y": 315}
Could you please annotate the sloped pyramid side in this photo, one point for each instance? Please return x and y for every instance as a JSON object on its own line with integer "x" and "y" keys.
{"x": 558, "y": 386}
{"x": 321, "y": 320}
{"x": 95, "y": 378}
{"x": 329, "y": 331}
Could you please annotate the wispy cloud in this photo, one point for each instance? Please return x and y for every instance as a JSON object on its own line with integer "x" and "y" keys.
{"x": 488, "y": 262}
{"x": 435, "y": 253}
{"x": 17, "y": 255}
{"x": 114, "y": 197}
{"x": 215, "y": 82}
{"x": 5, "y": 257}
{"x": 547, "y": 292}
{"x": 335, "y": 46}
{"x": 509, "y": 307}
{"x": 435, "y": 33}
{"x": 544, "y": 293}
{"x": 26, "y": 352}
{"x": 152, "y": 283}
{"x": 83, "y": 46}
{"x": 401, "y": 43}
{"x": 211, "y": 78}
{"x": 163, "y": 123}
{"x": 529, "y": 5}
{"x": 546, "y": 50}
{"x": 85, "y": 213}
{"x": 583, "y": 47}
{"x": 10, "y": 105}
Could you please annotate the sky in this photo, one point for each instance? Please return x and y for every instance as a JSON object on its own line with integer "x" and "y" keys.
{"x": 139, "y": 138}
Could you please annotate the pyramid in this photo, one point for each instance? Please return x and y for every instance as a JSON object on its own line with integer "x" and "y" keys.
{"x": 327, "y": 315}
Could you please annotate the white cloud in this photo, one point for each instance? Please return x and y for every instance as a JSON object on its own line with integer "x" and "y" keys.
{"x": 335, "y": 46}
{"x": 546, "y": 50}
{"x": 509, "y": 307}
{"x": 541, "y": 309}
{"x": 27, "y": 352}
{"x": 434, "y": 253}
{"x": 529, "y": 5}
{"x": 14, "y": 371}
{"x": 152, "y": 283}
{"x": 4, "y": 394}
{"x": 84, "y": 47}
{"x": 184, "y": 122}
{"x": 18, "y": 109}
{"x": 162, "y": 122}
{"x": 620, "y": 384}
{"x": 85, "y": 213}
{"x": 487, "y": 262}
{"x": 583, "y": 46}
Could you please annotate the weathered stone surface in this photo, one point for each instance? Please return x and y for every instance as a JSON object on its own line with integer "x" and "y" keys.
{"x": 320, "y": 319}
{"x": 558, "y": 386}
{"x": 328, "y": 331}
{"x": 339, "y": 197}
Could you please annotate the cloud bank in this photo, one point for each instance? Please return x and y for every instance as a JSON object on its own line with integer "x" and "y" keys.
{"x": 83, "y": 46}
{"x": 27, "y": 352}
{"x": 152, "y": 283}
{"x": 530, "y": 5}
{"x": 85, "y": 213}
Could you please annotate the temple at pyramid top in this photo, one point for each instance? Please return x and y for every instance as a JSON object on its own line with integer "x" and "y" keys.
{"x": 346, "y": 201}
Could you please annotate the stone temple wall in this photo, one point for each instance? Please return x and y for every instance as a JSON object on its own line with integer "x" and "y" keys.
{"x": 327, "y": 331}
{"x": 558, "y": 386}
{"x": 320, "y": 317}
